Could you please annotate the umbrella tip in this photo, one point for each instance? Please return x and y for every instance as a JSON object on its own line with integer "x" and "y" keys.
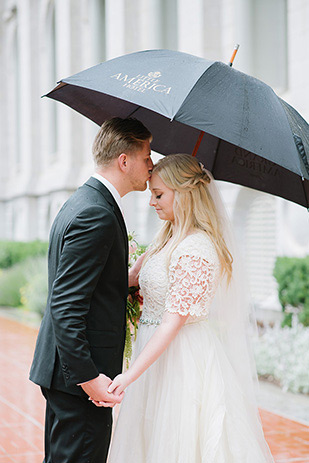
{"x": 234, "y": 54}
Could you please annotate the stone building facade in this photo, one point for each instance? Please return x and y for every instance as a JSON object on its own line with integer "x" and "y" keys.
{"x": 45, "y": 147}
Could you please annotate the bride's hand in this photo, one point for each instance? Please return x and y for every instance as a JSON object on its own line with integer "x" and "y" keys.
{"x": 119, "y": 384}
{"x": 135, "y": 269}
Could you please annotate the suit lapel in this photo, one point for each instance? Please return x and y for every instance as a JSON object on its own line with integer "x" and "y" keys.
{"x": 122, "y": 225}
{"x": 94, "y": 183}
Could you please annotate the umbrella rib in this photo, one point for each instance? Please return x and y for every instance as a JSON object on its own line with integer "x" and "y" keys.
{"x": 305, "y": 192}
{"x": 215, "y": 157}
{"x": 136, "y": 109}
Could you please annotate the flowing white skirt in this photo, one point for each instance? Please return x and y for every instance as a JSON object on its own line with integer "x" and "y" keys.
{"x": 187, "y": 407}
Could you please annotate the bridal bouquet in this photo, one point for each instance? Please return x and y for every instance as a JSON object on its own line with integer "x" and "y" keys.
{"x": 134, "y": 300}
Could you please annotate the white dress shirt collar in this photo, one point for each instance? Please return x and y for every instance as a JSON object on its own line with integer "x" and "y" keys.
{"x": 113, "y": 191}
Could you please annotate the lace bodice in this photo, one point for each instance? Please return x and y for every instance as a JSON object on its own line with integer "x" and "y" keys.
{"x": 187, "y": 286}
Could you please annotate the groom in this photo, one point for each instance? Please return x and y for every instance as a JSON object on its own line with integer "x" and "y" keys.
{"x": 80, "y": 343}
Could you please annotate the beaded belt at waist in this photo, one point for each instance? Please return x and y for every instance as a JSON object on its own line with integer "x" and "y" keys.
{"x": 149, "y": 321}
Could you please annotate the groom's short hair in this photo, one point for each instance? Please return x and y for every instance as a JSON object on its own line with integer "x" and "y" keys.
{"x": 118, "y": 136}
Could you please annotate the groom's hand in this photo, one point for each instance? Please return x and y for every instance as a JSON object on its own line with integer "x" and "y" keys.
{"x": 97, "y": 389}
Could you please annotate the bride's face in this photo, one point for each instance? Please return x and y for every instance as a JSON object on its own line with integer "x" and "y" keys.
{"x": 162, "y": 198}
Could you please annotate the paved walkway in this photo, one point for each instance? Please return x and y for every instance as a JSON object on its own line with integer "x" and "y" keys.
{"x": 284, "y": 403}
{"x": 22, "y": 407}
{"x": 21, "y": 403}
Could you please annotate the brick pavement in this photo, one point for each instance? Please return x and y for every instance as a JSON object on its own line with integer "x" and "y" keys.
{"x": 21, "y": 403}
{"x": 22, "y": 407}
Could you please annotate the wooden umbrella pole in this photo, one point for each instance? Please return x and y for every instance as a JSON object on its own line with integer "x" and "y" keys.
{"x": 197, "y": 144}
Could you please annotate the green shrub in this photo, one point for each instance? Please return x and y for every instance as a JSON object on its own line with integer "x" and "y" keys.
{"x": 25, "y": 284}
{"x": 34, "y": 292}
{"x": 282, "y": 355}
{"x": 292, "y": 275}
{"x": 11, "y": 280}
{"x": 12, "y": 252}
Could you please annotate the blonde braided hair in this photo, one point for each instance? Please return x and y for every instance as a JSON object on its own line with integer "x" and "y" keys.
{"x": 194, "y": 208}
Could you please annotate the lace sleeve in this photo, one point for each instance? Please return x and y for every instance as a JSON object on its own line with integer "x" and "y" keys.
{"x": 191, "y": 286}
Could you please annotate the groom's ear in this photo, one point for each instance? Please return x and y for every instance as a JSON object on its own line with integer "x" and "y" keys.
{"x": 122, "y": 161}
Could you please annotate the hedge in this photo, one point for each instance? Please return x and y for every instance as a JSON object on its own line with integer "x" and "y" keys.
{"x": 13, "y": 252}
{"x": 292, "y": 275}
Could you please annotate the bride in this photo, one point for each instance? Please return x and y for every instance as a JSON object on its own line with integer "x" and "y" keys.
{"x": 190, "y": 396}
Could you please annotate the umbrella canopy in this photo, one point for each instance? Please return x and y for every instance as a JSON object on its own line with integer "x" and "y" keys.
{"x": 252, "y": 137}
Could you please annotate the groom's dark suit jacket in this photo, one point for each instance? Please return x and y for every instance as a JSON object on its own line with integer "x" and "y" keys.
{"x": 83, "y": 329}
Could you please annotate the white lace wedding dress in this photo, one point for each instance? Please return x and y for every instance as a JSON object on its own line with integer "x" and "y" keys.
{"x": 188, "y": 407}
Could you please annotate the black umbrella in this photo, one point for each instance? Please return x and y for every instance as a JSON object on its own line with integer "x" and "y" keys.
{"x": 252, "y": 137}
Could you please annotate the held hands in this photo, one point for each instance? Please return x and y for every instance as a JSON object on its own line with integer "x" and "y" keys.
{"x": 120, "y": 383}
{"x": 115, "y": 389}
{"x": 97, "y": 389}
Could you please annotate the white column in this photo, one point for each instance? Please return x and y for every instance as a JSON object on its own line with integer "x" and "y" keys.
{"x": 24, "y": 43}
{"x": 244, "y": 35}
{"x": 115, "y": 28}
{"x": 169, "y": 21}
{"x": 4, "y": 111}
{"x": 63, "y": 59}
{"x": 8, "y": 220}
{"x": 190, "y": 26}
{"x": 214, "y": 28}
{"x": 46, "y": 82}
{"x": 92, "y": 26}
{"x": 89, "y": 56}
{"x": 42, "y": 211}
{"x": 226, "y": 30}
{"x": 298, "y": 56}
{"x": 10, "y": 89}
{"x": 292, "y": 229}
{"x": 151, "y": 32}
